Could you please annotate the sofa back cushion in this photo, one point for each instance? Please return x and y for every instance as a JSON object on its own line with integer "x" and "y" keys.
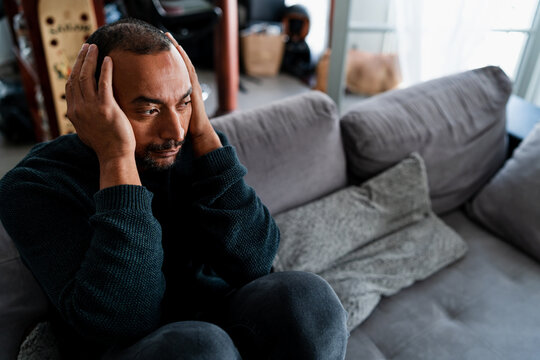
{"x": 292, "y": 149}
{"x": 457, "y": 123}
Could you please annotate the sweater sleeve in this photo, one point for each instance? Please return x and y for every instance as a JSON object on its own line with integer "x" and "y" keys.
{"x": 237, "y": 229}
{"x": 102, "y": 270}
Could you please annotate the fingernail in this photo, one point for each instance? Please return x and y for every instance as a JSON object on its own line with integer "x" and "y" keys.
{"x": 84, "y": 46}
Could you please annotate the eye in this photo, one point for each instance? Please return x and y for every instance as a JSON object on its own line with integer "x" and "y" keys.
{"x": 150, "y": 111}
{"x": 184, "y": 104}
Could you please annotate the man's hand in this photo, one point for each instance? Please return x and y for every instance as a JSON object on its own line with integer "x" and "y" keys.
{"x": 202, "y": 133}
{"x": 99, "y": 121}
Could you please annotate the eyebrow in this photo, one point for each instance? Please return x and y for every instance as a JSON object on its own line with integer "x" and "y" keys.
{"x": 146, "y": 99}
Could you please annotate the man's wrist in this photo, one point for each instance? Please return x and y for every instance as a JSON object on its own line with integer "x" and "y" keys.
{"x": 203, "y": 144}
{"x": 118, "y": 171}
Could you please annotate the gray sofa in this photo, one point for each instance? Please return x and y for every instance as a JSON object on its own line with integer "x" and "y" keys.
{"x": 483, "y": 306}
{"x": 480, "y": 302}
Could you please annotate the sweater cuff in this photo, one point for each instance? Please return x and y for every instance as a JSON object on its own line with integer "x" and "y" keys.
{"x": 216, "y": 162}
{"x": 132, "y": 197}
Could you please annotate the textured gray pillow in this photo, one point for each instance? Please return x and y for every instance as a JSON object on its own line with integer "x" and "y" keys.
{"x": 40, "y": 344}
{"x": 369, "y": 240}
{"x": 291, "y": 148}
{"x": 510, "y": 204}
{"x": 457, "y": 124}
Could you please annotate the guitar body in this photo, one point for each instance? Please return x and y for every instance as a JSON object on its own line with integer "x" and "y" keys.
{"x": 65, "y": 25}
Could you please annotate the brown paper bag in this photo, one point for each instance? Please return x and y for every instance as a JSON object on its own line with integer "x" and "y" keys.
{"x": 262, "y": 53}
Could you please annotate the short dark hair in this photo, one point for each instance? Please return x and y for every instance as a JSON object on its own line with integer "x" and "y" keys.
{"x": 128, "y": 34}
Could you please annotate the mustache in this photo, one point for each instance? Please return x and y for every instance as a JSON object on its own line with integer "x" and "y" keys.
{"x": 165, "y": 146}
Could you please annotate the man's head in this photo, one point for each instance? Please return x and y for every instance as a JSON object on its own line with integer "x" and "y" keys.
{"x": 151, "y": 85}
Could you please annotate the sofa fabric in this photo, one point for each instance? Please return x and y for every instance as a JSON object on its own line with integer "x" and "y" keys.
{"x": 370, "y": 240}
{"x": 292, "y": 149}
{"x": 483, "y": 307}
{"x": 22, "y": 302}
{"x": 509, "y": 205}
{"x": 457, "y": 124}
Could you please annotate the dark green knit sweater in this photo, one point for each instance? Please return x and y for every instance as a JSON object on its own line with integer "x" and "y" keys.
{"x": 119, "y": 262}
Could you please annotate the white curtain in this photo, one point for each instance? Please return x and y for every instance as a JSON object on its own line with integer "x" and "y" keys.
{"x": 438, "y": 37}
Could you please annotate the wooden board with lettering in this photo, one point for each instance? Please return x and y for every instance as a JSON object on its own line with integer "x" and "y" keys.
{"x": 65, "y": 25}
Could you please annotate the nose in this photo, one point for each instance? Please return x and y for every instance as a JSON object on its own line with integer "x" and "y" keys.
{"x": 171, "y": 126}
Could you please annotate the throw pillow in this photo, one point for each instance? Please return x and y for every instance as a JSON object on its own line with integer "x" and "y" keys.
{"x": 370, "y": 240}
{"x": 509, "y": 205}
{"x": 40, "y": 344}
{"x": 316, "y": 234}
{"x": 457, "y": 123}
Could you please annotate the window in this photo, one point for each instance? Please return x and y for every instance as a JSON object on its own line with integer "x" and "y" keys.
{"x": 434, "y": 38}
{"x": 377, "y": 27}
{"x": 511, "y": 25}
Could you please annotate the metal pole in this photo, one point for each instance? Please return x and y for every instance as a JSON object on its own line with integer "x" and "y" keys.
{"x": 338, "y": 57}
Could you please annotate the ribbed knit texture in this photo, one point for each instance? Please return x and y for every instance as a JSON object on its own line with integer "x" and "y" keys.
{"x": 123, "y": 196}
{"x": 119, "y": 262}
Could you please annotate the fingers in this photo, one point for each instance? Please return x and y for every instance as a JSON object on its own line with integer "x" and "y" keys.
{"x": 72, "y": 84}
{"x": 185, "y": 57}
{"x": 173, "y": 40}
{"x": 196, "y": 95}
{"x": 105, "y": 91}
{"x": 87, "y": 79}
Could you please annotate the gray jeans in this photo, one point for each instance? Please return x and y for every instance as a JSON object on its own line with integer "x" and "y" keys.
{"x": 284, "y": 315}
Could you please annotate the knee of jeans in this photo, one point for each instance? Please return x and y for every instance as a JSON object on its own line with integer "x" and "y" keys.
{"x": 186, "y": 340}
{"x": 316, "y": 319}
{"x": 310, "y": 296}
{"x": 212, "y": 341}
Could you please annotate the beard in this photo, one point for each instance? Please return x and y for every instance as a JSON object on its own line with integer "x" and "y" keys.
{"x": 146, "y": 162}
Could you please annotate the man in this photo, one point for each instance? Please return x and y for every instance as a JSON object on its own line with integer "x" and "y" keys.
{"x": 141, "y": 230}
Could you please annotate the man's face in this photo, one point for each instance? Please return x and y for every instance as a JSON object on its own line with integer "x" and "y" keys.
{"x": 154, "y": 93}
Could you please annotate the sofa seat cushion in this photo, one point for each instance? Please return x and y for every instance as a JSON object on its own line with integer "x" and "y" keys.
{"x": 484, "y": 307}
{"x": 291, "y": 148}
{"x": 457, "y": 124}
{"x": 369, "y": 240}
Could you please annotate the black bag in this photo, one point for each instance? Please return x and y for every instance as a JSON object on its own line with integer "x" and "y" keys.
{"x": 15, "y": 118}
{"x": 297, "y": 57}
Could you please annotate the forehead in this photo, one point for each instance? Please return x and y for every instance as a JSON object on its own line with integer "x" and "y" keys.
{"x": 161, "y": 75}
